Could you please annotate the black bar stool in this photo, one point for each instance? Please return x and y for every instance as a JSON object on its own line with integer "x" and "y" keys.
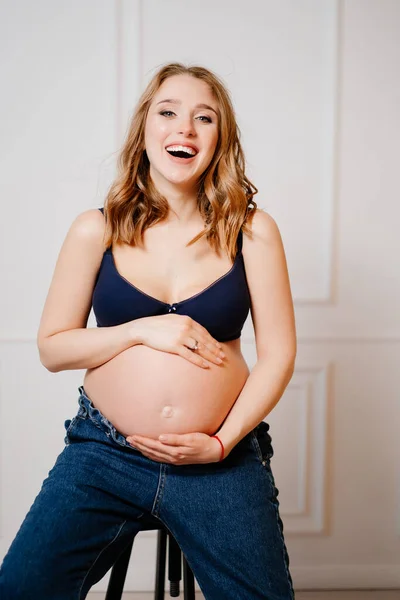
{"x": 175, "y": 558}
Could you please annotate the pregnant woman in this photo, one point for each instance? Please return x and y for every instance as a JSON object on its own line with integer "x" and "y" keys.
{"x": 170, "y": 420}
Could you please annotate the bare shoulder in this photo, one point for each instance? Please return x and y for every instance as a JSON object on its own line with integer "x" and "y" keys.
{"x": 88, "y": 225}
{"x": 264, "y": 229}
{"x": 264, "y": 245}
{"x": 86, "y": 235}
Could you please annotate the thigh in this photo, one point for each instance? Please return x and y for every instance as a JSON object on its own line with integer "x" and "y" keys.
{"x": 225, "y": 516}
{"x": 88, "y": 509}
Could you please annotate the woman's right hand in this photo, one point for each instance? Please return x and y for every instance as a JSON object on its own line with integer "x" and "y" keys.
{"x": 177, "y": 334}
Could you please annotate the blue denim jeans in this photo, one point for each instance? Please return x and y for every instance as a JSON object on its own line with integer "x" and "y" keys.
{"x": 101, "y": 492}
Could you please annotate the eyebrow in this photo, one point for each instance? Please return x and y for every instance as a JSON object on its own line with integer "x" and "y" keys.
{"x": 201, "y": 105}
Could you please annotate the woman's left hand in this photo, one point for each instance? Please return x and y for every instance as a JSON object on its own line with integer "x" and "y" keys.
{"x": 178, "y": 449}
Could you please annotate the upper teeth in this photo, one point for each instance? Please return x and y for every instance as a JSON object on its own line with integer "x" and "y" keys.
{"x": 182, "y": 149}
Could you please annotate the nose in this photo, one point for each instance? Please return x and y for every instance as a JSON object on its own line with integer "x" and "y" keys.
{"x": 186, "y": 126}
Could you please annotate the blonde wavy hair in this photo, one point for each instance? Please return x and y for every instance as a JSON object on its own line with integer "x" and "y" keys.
{"x": 225, "y": 194}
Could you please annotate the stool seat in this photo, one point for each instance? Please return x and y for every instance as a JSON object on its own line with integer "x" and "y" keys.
{"x": 119, "y": 570}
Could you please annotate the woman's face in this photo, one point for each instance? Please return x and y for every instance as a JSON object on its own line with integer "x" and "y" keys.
{"x": 181, "y": 121}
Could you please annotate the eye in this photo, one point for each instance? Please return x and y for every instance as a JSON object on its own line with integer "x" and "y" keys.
{"x": 204, "y": 117}
{"x": 164, "y": 113}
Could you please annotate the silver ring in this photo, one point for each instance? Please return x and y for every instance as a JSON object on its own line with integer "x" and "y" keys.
{"x": 195, "y": 347}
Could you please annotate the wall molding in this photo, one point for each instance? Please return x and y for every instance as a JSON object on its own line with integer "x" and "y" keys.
{"x": 310, "y": 384}
{"x": 129, "y": 59}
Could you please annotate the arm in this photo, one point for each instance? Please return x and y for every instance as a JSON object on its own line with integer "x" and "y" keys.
{"x": 274, "y": 326}
{"x": 63, "y": 340}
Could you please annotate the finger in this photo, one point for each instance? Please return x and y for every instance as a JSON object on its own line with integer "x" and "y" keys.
{"x": 150, "y": 452}
{"x": 152, "y": 445}
{"x": 156, "y": 456}
{"x": 198, "y": 332}
{"x": 210, "y": 344}
{"x": 210, "y": 352}
{"x": 193, "y": 357}
{"x": 184, "y": 440}
{"x": 205, "y": 335}
{"x": 160, "y": 456}
{"x": 207, "y": 346}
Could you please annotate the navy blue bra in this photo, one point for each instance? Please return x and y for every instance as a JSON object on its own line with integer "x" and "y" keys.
{"x": 221, "y": 308}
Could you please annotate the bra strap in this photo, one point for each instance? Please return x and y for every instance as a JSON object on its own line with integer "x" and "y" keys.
{"x": 108, "y": 250}
{"x": 240, "y": 241}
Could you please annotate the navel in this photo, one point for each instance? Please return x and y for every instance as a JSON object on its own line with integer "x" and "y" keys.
{"x": 167, "y": 411}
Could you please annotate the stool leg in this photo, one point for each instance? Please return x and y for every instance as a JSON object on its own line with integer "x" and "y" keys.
{"x": 160, "y": 564}
{"x": 118, "y": 574}
{"x": 188, "y": 581}
{"x": 174, "y": 566}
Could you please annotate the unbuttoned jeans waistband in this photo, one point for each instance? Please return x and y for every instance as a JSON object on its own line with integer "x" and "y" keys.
{"x": 88, "y": 411}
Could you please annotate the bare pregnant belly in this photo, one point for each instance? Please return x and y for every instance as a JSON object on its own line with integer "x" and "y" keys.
{"x": 149, "y": 392}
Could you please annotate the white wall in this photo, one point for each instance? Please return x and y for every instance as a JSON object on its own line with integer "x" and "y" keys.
{"x": 316, "y": 89}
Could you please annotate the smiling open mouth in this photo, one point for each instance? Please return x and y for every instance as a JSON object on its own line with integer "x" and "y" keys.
{"x": 180, "y": 154}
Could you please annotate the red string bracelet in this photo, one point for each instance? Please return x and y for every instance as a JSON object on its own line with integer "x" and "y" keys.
{"x": 222, "y": 447}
